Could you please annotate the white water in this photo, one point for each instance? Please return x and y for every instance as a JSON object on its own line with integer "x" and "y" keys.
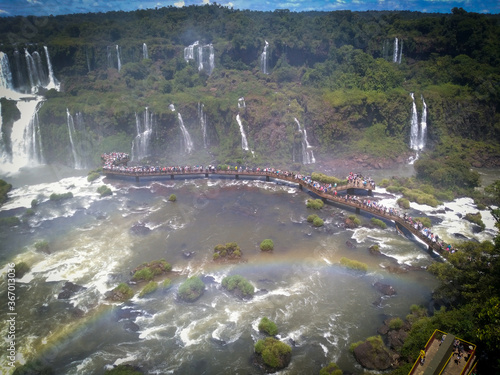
{"x": 188, "y": 143}
{"x": 241, "y": 103}
{"x": 144, "y": 132}
{"x": 189, "y": 51}
{"x": 145, "y": 54}
{"x": 118, "y": 58}
{"x": 400, "y": 52}
{"x": 395, "y": 51}
{"x": 307, "y": 152}
{"x": 418, "y": 130}
{"x": 33, "y": 74}
{"x": 263, "y": 59}
{"x": 196, "y": 53}
{"x": 53, "y": 83}
{"x": 203, "y": 123}
{"x": 244, "y": 142}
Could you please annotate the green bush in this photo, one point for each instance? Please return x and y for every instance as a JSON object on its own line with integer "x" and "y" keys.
{"x": 4, "y": 189}
{"x": 396, "y": 323}
{"x": 355, "y": 220}
{"x": 29, "y": 212}
{"x": 330, "y": 369}
{"x": 148, "y": 288}
{"x": 34, "y": 203}
{"x": 315, "y": 204}
{"x": 230, "y": 250}
{"x": 144, "y": 274}
{"x": 354, "y": 345}
{"x": 267, "y": 245}
{"x": 172, "y": 198}
{"x": 239, "y": 284}
{"x": 320, "y": 177}
{"x": 167, "y": 283}
{"x": 378, "y": 223}
{"x": 267, "y": 326}
{"x": 403, "y": 203}
{"x": 93, "y": 176}
{"x": 476, "y": 219}
{"x": 318, "y": 222}
{"x": 273, "y": 353}
{"x": 147, "y": 271}
{"x": 191, "y": 289}
{"x": 353, "y": 264}
{"x": 104, "y": 191}
{"x": 58, "y": 197}
{"x": 122, "y": 293}
{"x": 311, "y": 218}
{"x": 10, "y": 221}
{"x": 42, "y": 246}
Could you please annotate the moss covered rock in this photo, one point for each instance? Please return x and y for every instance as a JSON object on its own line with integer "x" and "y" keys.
{"x": 272, "y": 354}
{"x": 373, "y": 354}
{"x": 191, "y": 289}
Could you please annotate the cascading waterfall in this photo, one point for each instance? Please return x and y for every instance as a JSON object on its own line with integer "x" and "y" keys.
{"x": 418, "y": 130}
{"x": 33, "y": 75}
{"x": 5, "y": 72}
{"x": 53, "y": 83}
{"x": 244, "y": 142}
{"x": 241, "y": 103}
{"x": 188, "y": 143}
{"x": 195, "y": 52}
{"x": 118, "y": 57}
{"x": 263, "y": 59}
{"x": 39, "y": 68}
{"x": 145, "y": 51}
{"x": 307, "y": 152}
{"x": 423, "y": 125}
{"x": 35, "y": 147}
{"x": 203, "y": 123}
{"x": 18, "y": 71}
{"x": 77, "y": 163}
{"x": 142, "y": 141}
{"x": 395, "y": 51}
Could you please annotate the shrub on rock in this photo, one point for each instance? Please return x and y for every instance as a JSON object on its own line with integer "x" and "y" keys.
{"x": 121, "y": 293}
{"x": 330, "y": 369}
{"x": 379, "y": 223}
{"x": 191, "y": 289}
{"x": 315, "y": 204}
{"x": 148, "y": 271}
{"x": 267, "y": 245}
{"x": 353, "y": 264}
{"x": 148, "y": 289}
{"x": 268, "y": 326}
{"x": 273, "y": 354}
{"x": 238, "y": 285}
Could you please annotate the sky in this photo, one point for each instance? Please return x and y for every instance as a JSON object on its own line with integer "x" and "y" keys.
{"x": 57, "y": 7}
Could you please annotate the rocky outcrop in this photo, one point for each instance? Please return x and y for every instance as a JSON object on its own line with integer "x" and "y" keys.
{"x": 373, "y": 354}
{"x": 69, "y": 289}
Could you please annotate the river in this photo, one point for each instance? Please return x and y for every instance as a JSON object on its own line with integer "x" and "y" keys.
{"x": 318, "y": 305}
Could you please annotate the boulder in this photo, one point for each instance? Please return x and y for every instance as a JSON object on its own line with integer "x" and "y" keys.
{"x": 373, "y": 355}
{"x": 69, "y": 289}
{"x": 396, "y": 339}
{"x": 385, "y": 289}
{"x": 350, "y": 245}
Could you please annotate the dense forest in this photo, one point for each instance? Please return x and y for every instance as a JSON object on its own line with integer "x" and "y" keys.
{"x": 345, "y": 76}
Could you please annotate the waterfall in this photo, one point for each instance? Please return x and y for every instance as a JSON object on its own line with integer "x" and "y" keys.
{"x": 118, "y": 58}
{"x": 203, "y": 123}
{"x": 5, "y": 72}
{"x": 423, "y": 125}
{"x": 244, "y": 143}
{"x": 189, "y": 51}
{"x": 195, "y": 52}
{"x": 263, "y": 59}
{"x": 26, "y": 145}
{"x": 414, "y": 125}
{"x": 188, "y": 143}
{"x": 307, "y": 152}
{"x": 145, "y": 51}
{"x": 39, "y": 68}
{"x": 32, "y": 72}
{"x": 77, "y": 163}
{"x": 400, "y": 52}
{"x": 241, "y": 103}
{"x": 53, "y": 83}
{"x": 142, "y": 141}
{"x": 395, "y": 52}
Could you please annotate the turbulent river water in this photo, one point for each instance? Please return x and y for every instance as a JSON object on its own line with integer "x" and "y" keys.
{"x": 319, "y": 307}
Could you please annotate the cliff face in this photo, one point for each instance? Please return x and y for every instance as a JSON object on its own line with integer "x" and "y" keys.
{"x": 337, "y": 74}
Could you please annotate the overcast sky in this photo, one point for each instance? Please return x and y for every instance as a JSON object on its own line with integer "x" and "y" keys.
{"x": 56, "y": 7}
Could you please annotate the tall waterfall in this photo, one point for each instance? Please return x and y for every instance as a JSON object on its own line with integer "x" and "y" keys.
{"x": 395, "y": 51}
{"x": 244, "y": 142}
{"x": 145, "y": 51}
{"x": 400, "y": 52}
{"x": 418, "y": 130}
{"x": 53, "y": 83}
{"x": 203, "y": 123}
{"x": 423, "y": 124}
{"x": 142, "y": 141}
{"x": 188, "y": 143}
{"x": 118, "y": 57}
{"x": 263, "y": 59}
{"x": 5, "y": 72}
{"x": 77, "y": 162}
{"x": 196, "y": 53}
{"x": 35, "y": 147}
{"x": 241, "y": 103}
{"x": 307, "y": 152}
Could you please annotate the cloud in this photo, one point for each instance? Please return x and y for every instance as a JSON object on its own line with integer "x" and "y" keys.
{"x": 179, "y": 4}
{"x": 206, "y": 2}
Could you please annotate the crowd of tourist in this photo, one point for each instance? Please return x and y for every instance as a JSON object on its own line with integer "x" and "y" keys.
{"x": 117, "y": 162}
